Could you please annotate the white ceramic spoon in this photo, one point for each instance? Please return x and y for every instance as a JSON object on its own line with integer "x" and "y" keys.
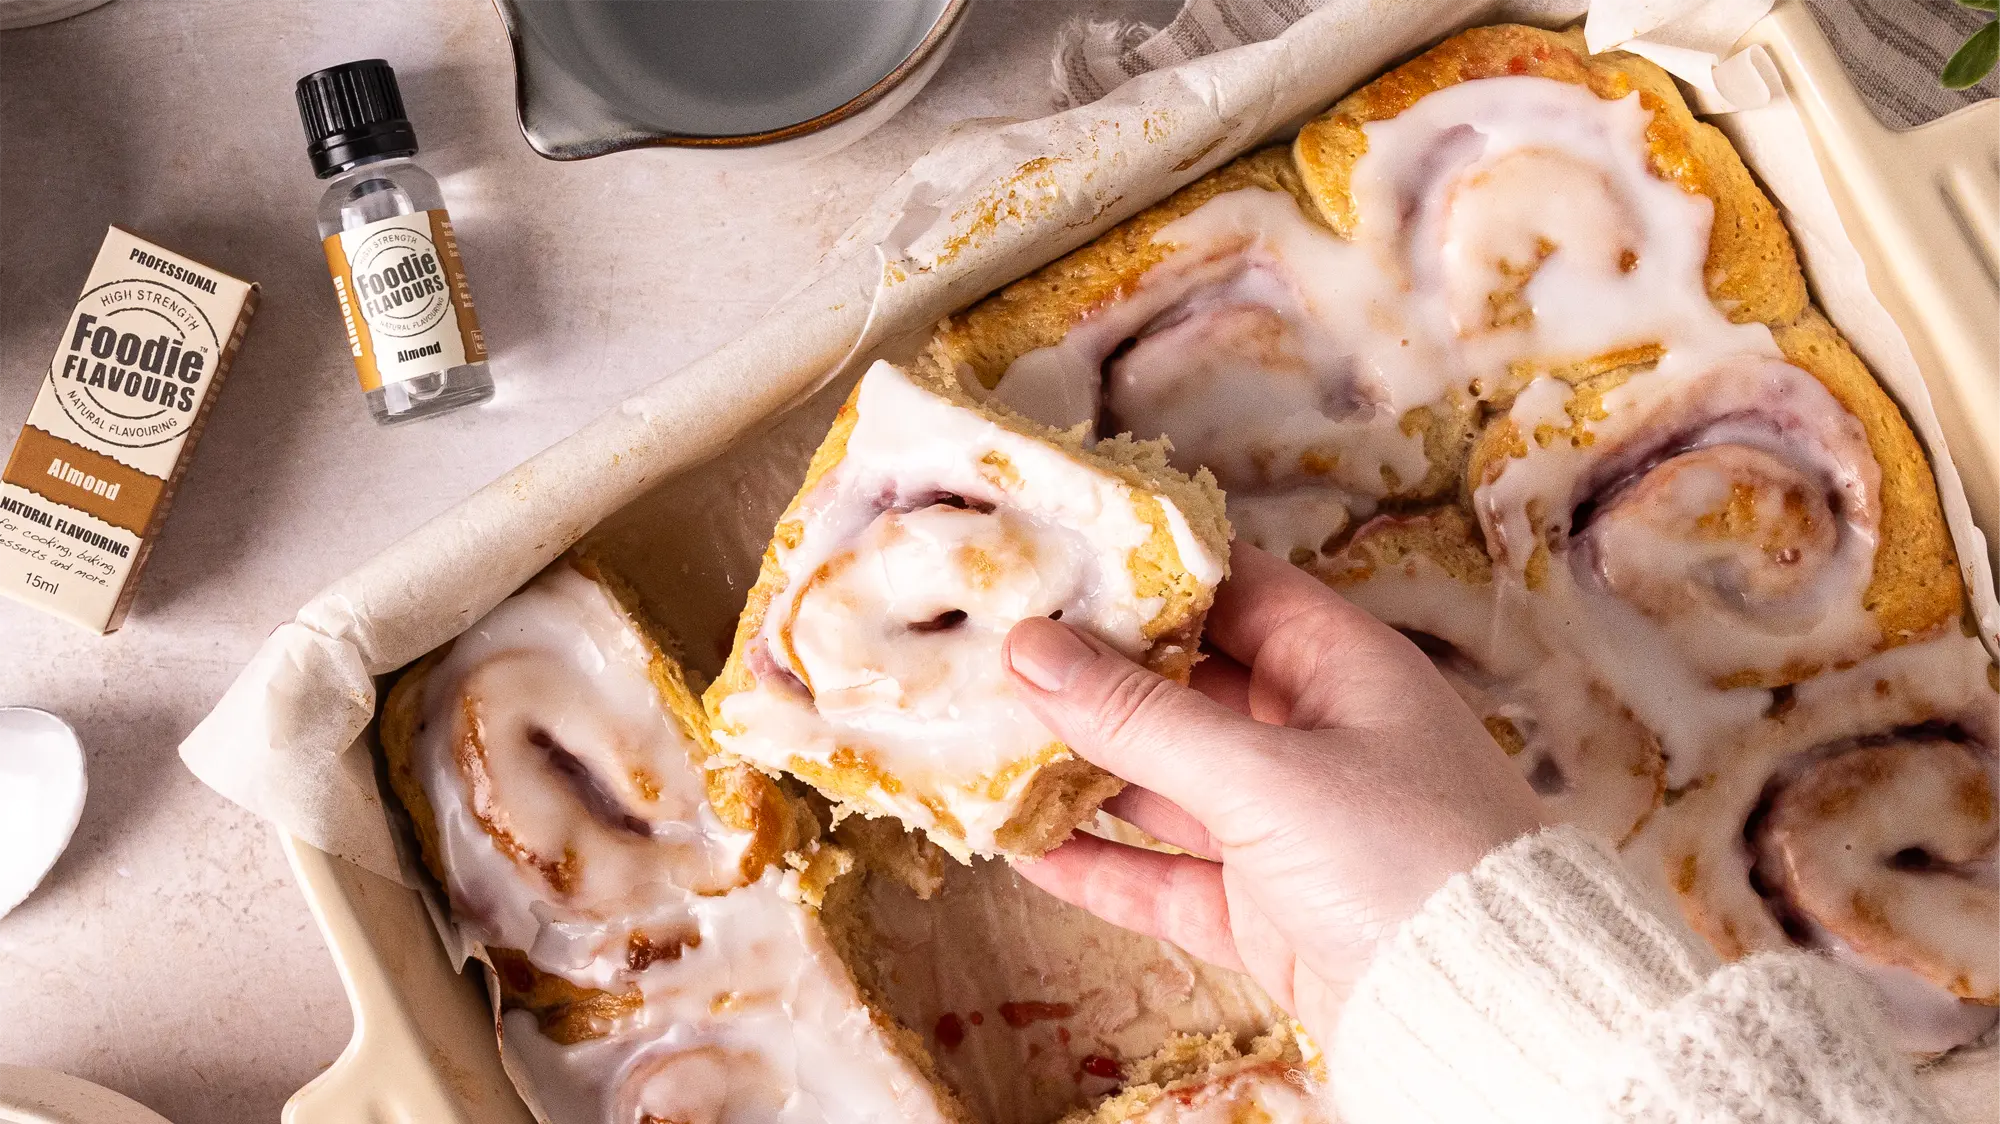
{"x": 43, "y": 1096}
{"x": 41, "y": 797}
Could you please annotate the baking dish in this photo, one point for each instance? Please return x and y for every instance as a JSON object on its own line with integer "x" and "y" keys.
{"x": 1916, "y": 205}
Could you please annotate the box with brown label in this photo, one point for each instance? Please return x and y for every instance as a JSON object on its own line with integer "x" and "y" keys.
{"x": 135, "y": 373}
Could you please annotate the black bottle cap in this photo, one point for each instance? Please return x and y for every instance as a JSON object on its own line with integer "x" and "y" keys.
{"x": 353, "y": 112}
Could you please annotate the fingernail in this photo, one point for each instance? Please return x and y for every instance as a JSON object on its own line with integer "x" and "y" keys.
{"x": 1047, "y": 654}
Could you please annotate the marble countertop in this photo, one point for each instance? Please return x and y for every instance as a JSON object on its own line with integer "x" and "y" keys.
{"x": 168, "y": 955}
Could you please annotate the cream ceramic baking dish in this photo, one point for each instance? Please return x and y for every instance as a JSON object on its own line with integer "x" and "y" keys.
{"x": 1918, "y": 205}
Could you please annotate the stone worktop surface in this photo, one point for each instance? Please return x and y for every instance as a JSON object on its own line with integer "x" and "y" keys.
{"x": 168, "y": 955}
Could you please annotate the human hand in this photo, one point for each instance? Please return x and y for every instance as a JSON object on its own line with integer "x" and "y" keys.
{"x": 1322, "y": 775}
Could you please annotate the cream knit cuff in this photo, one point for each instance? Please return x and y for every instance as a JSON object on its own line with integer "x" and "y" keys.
{"x": 1778, "y": 1038}
{"x": 1546, "y": 986}
{"x": 1501, "y": 999}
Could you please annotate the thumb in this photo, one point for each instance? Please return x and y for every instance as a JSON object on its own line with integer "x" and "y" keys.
{"x": 1121, "y": 717}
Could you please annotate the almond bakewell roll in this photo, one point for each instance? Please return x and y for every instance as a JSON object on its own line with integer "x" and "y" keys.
{"x": 868, "y": 660}
{"x": 1857, "y": 817}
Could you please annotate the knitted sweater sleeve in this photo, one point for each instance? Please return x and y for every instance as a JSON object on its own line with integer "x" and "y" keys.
{"x": 1546, "y": 985}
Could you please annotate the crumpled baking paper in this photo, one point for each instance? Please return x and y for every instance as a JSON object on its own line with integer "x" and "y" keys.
{"x": 1691, "y": 40}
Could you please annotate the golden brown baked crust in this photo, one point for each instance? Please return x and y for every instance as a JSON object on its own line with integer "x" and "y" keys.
{"x": 1039, "y": 310}
{"x": 1446, "y": 536}
{"x": 1066, "y": 789}
{"x": 402, "y": 721}
{"x": 1188, "y": 1061}
{"x": 1916, "y": 591}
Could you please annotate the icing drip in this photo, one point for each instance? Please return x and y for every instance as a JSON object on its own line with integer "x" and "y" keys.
{"x": 879, "y": 660}
{"x": 759, "y": 1023}
{"x": 569, "y": 810}
{"x": 1741, "y": 504}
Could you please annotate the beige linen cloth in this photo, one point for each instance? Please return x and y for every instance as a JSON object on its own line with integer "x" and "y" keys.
{"x": 1892, "y": 49}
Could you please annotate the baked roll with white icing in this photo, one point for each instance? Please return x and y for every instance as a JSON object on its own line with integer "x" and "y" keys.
{"x": 868, "y": 659}
{"x": 651, "y": 955}
{"x": 1858, "y": 816}
{"x": 1232, "y": 321}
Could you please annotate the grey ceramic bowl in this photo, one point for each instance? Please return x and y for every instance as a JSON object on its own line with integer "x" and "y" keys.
{"x": 764, "y": 80}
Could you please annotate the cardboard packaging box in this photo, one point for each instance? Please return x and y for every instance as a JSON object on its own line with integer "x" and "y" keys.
{"x": 135, "y": 372}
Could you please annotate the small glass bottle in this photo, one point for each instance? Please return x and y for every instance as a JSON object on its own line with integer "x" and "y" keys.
{"x": 389, "y": 244}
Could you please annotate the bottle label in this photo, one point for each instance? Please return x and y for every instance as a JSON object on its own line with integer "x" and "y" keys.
{"x": 403, "y": 294}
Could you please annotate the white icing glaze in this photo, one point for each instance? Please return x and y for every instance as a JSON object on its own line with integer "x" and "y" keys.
{"x": 760, "y": 1023}
{"x": 1483, "y": 184}
{"x": 1266, "y": 349}
{"x": 1912, "y": 891}
{"x": 936, "y": 532}
{"x": 588, "y": 821}
{"x": 1592, "y": 762}
{"x": 1733, "y": 528}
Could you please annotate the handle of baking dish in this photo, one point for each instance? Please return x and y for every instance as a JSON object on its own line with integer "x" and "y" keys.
{"x": 1929, "y": 200}
{"x": 423, "y": 1046}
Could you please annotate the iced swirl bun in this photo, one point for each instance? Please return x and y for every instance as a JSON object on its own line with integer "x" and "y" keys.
{"x": 650, "y": 950}
{"x": 867, "y": 662}
{"x": 1858, "y": 817}
{"x": 1756, "y": 523}
{"x": 1258, "y": 345}
{"x": 1528, "y": 107}
{"x": 558, "y": 791}
{"x": 1233, "y": 322}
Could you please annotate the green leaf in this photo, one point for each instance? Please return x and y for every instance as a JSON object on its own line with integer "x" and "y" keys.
{"x": 1974, "y": 60}
{"x": 1981, "y": 5}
